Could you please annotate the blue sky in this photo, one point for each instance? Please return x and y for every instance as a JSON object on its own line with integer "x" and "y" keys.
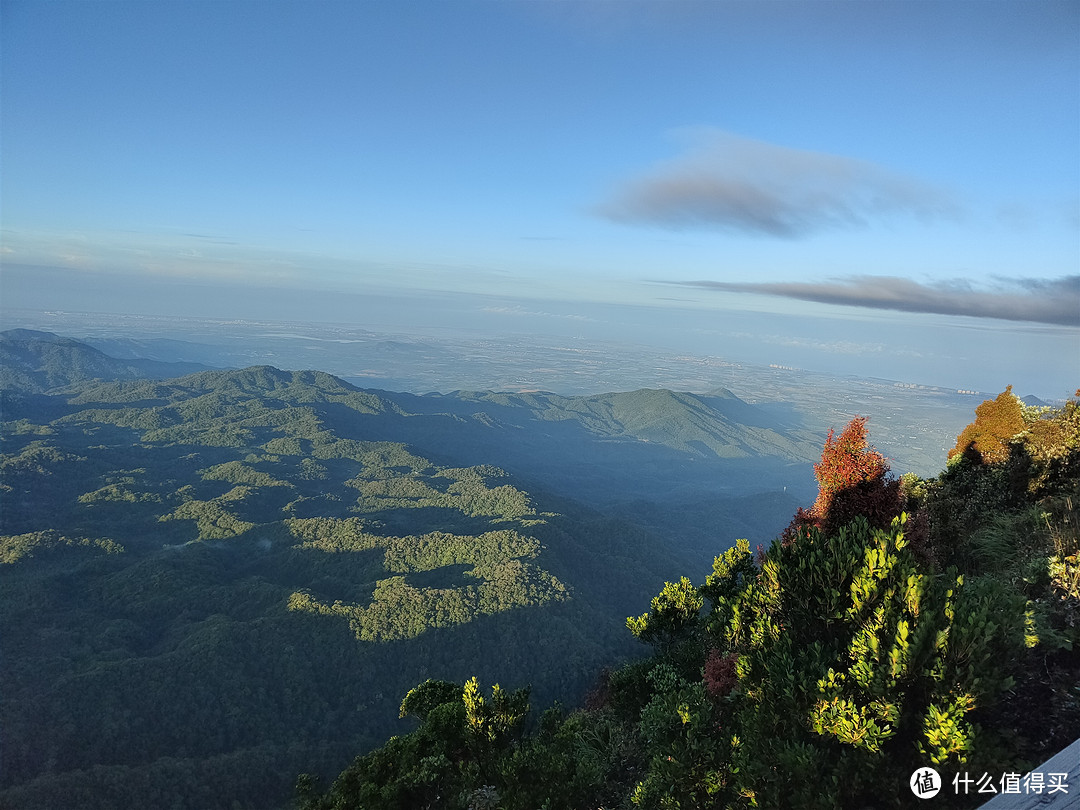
{"x": 825, "y": 159}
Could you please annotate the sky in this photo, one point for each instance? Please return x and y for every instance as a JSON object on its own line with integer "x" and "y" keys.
{"x": 884, "y": 172}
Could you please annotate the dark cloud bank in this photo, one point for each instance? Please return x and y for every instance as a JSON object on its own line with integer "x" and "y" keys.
{"x": 1051, "y": 301}
{"x": 727, "y": 182}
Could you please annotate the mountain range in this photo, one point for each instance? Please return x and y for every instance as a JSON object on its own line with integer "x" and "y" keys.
{"x": 240, "y": 571}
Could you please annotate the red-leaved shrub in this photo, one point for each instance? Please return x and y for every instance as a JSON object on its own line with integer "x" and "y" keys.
{"x": 720, "y": 676}
{"x": 852, "y": 480}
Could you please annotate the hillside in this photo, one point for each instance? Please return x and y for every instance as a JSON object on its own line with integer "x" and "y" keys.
{"x": 235, "y": 572}
{"x": 720, "y": 425}
{"x": 689, "y": 466}
{"x": 900, "y": 640}
{"x": 33, "y": 362}
{"x": 686, "y": 466}
{"x": 239, "y": 572}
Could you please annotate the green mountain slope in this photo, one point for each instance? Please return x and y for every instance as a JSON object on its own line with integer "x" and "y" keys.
{"x": 687, "y": 466}
{"x": 33, "y": 362}
{"x": 212, "y": 582}
{"x": 716, "y": 426}
{"x": 219, "y": 574}
{"x": 692, "y": 466}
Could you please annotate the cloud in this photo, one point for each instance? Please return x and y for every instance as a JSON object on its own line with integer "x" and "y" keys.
{"x": 1052, "y": 301}
{"x": 726, "y": 182}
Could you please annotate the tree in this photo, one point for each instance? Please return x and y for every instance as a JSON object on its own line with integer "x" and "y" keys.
{"x": 450, "y": 761}
{"x": 852, "y": 481}
{"x": 997, "y": 422}
{"x": 422, "y": 699}
{"x": 854, "y": 666}
{"x": 500, "y": 718}
{"x": 674, "y": 614}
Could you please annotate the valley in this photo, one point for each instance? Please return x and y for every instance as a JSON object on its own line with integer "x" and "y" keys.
{"x": 244, "y": 570}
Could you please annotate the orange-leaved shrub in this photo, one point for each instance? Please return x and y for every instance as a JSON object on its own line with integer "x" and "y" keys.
{"x": 997, "y": 421}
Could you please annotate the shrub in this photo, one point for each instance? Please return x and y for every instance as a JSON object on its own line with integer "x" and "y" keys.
{"x": 852, "y": 482}
{"x": 997, "y": 422}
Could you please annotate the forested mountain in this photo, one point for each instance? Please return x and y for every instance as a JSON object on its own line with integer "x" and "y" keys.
{"x": 213, "y": 582}
{"x": 32, "y": 362}
{"x": 684, "y": 465}
{"x": 719, "y": 425}
{"x": 687, "y": 466}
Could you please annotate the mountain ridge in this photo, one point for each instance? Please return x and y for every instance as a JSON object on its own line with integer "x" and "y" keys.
{"x": 35, "y": 362}
{"x": 678, "y": 463}
{"x": 696, "y": 425}
{"x": 177, "y": 556}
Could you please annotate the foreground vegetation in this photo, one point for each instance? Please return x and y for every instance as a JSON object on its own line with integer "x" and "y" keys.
{"x": 894, "y": 625}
